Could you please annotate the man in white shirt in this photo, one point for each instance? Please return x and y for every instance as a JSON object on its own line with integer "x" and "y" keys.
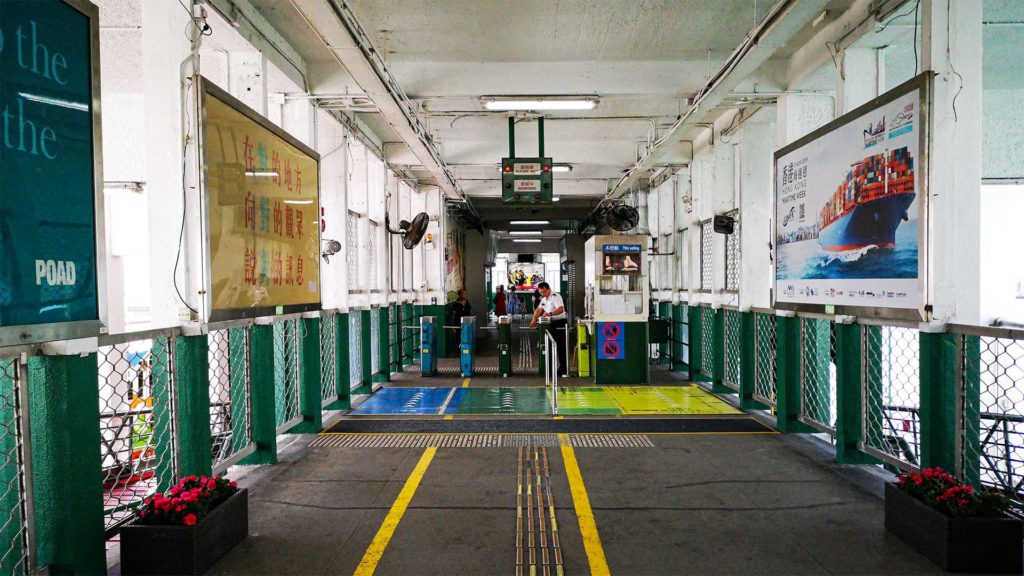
{"x": 551, "y": 306}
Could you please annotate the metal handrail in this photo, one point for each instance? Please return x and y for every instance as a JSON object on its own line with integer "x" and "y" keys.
{"x": 551, "y": 368}
{"x": 986, "y": 331}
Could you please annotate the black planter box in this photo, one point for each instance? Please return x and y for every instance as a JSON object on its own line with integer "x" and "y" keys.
{"x": 985, "y": 545}
{"x": 186, "y": 549}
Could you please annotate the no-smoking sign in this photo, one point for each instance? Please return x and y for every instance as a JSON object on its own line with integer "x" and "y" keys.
{"x": 611, "y": 343}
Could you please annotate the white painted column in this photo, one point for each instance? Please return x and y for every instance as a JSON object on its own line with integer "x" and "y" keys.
{"x": 861, "y": 78}
{"x": 724, "y": 194}
{"x": 163, "y": 51}
{"x": 756, "y": 150}
{"x": 801, "y": 114}
{"x": 954, "y": 156}
{"x": 247, "y": 78}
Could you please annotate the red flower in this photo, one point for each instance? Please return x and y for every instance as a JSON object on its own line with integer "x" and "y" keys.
{"x": 189, "y": 520}
{"x": 234, "y": 484}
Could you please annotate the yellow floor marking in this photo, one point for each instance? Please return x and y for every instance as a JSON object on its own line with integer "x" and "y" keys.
{"x": 559, "y": 417}
{"x": 465, "y": 383}
{"x": 387, "y": 528}
{"x": 580, "y": 500}
{"x": 449, "y": 417}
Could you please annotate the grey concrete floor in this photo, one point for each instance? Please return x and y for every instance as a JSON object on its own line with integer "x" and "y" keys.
{"x": 693, "y": 504}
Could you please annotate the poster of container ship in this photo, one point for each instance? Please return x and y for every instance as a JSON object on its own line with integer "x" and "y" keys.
{"x": 848, "y": 209}
{"x": 870, "y": 204}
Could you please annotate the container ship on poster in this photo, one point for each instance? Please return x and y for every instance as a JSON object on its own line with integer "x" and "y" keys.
{"x": 867, "y": 208}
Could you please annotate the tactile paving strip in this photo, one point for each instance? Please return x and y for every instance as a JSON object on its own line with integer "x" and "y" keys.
{"x": 357, "y": 440}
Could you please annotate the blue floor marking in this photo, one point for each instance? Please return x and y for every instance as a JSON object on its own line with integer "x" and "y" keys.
{"x": 404, "y": 401}
{"x": 453, "y": 406}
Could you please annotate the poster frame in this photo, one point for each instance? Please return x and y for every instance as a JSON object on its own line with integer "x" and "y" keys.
{"x": 922, "y": 82}
{"x": 209, "y": 315}
{"x": 49, "y": 332}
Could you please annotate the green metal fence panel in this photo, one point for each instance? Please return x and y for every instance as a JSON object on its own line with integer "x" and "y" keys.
{"x": 14, "y": 499}
{"x": 355, "y": 349}
{"x": 733, "y": 339}
{"x": 765, "y": 381}
{"x": 680, "y": 337}
{"x": 137, "y": 428}
{"x": 707, "y": 342}
{"x": 891, "y": 389}
{"x": 991, "y": 399}
{"x": 230, "y": 410}
{"x": 328, "y": 358}
{"x": 817, "y": 374}
{"x": 375, "y": 342}
{"x": 286, "y": 374}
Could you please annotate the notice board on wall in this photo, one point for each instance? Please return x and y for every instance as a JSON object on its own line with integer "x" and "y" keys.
{"x": 51, "y": 277}
{"x": 262, "y": 194}
{"x": 850, "y": 211}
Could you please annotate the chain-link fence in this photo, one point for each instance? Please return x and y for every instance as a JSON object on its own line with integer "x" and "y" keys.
{"x": 372, "y": 282}
{"x": 991, "y": 381}
{"x": 707, "y": 341}
{"x": 765, "y": 377}
{"x": 891, "y": 389}
{"x": 732, "y": 257}
{"x": 352, "y": 251}
{"x": 818, "y": 374}
{"x": 230, "y": 387}
{"x": 328, "y": 357}
{"x": 355, "y": 348}
{"x": 375, "y": 341}
{"x": 707, "y": 236}
{"x": 286, "y": 373}
{"x": 15, "y": 507}
{"x": 733, "y": 328}
{"x": 137, "y": 436}
{"x": 681, "y": 335}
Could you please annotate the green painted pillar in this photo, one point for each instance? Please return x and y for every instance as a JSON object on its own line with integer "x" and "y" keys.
{"x": 366, "y": 347}
{"x": 970, "y": 468}
{"x": 341, "y": 364}
{"x": 718, "y": 354}
{"x": 261, "y": 390}
{"x": 66, "y": 464}
{"x": 748, "y": 342}
{"x": 195, "y": 445}
{"x": 849, "y": 403}
{"x": 383, "y": 345}
{"x": 696, "y": 338}
{"x": 938, "y": 400}
{"x": 787, "y": 375}
{"x": 311, "y": 397}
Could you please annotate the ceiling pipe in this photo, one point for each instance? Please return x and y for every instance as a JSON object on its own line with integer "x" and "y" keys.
{"x": 783, "y": 21}
{"x": 335, "y": 25}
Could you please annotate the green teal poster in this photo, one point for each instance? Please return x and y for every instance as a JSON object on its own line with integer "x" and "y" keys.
{"x": 47, "y": 181}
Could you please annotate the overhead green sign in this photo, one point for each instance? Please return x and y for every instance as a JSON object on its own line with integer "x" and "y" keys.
{"x": 48, "y": 170}
{"x": 526, "y": 180}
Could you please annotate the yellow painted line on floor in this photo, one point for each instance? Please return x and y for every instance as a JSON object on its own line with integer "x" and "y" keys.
{"x": 387, "y": 528}
{"x": 449, "y": 417}
{"x": 580, "y": 500}
{"x": 465, "y": 383}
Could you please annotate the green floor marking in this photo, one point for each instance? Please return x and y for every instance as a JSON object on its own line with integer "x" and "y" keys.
{"x": 585, "y": 401}
{"x": 505, "y": 401}
{"x": 667, "y": 400}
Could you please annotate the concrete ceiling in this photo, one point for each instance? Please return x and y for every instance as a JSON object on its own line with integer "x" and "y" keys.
{"x": 642, "y": 58}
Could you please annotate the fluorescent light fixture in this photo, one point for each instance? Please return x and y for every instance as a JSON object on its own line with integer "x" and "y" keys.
{"x": 528, "y": 222}
{"x": 526, "y": 233}
{"x": 526, "y": 240}
{"x": 562, "y": 168}
{"x": 54, "y": 102}
{"x": 263, "y": 174}
{"x": 555, "y": 198}
{"x": 540, "y": 103}
{"x": 298, "y": 201}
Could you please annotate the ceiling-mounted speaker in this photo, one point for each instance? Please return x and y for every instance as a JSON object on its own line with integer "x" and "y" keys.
{"x": 724, "y": 224}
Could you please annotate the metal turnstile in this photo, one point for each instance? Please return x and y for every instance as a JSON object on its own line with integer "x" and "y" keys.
{"x": 582, "y": 350}
{"x": 467, "y": 345}
{"x": 428, "y": 346}
{"x": 505, "y": 346}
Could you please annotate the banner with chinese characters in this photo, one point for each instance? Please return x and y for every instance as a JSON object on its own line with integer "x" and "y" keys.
{"x": 262, "y": 194}
{"x": 849, "y": 211}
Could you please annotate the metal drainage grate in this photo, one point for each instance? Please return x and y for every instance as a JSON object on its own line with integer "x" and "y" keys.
{"x": 356, "y": 440}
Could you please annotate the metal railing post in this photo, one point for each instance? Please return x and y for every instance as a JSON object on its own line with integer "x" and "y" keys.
{"x": 310, "y": 374}
{"x": 192, "y": 382}
{"x": 938, "y": 371}
{"x": 25, "y": 447}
